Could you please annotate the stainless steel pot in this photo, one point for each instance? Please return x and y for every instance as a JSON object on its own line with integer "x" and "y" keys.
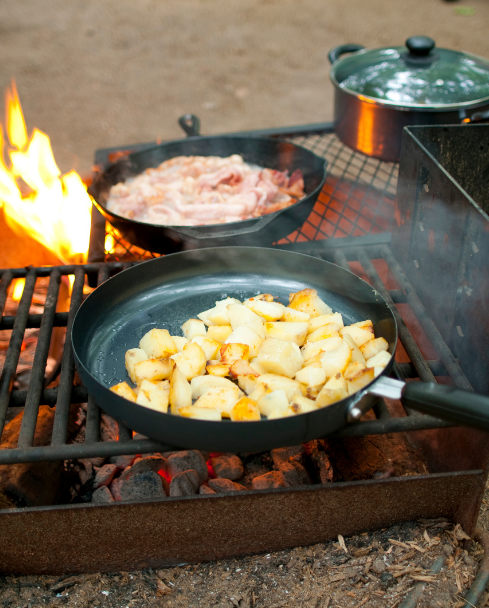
{"x": 378, "y": 92}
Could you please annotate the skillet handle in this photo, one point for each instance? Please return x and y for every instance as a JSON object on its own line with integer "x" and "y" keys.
{"x": 190, "y": 124}
{"x": 200, "y": 234}
{"x": 447, "y": 402}
{"x": 334, "y": 54}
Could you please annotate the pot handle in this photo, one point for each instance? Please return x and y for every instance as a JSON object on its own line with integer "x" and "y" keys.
{"x": 190, "y": 124}
{"x": 476, "y": 117}
{"x": 335, "y": 53}
{"x": 448, "y": 403}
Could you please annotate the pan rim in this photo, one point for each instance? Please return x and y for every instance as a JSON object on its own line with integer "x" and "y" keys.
{"x": 243, "y": 424}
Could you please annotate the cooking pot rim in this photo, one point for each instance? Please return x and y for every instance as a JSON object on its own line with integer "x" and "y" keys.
{"x": 395, "y": 105}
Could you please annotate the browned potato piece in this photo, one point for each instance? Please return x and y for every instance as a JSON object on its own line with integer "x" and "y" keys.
{"x": 199, "y": 413}
{"x": 245, "y": 409}
{"x": 124, "y": 390}
{"x": 327, "y": 396}
{"x": 153, "y": 369}
{"x": 191, "y": 361}
{"x": 157, "y": 343}
{"x": 218, "y": 369}
{"x": 241, "y": 368}
{"x": 308, "y": 301}
{"x": 220, "y": 333}
{"x": 361, "y": 379}
{"x": 234, "y": 351}
{"x": 154, "y": 395}
{"x": 180, "y": 391}
{"x": 373, "y": 347}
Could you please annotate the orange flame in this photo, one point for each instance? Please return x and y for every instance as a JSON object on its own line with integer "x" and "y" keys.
{"x": 54, "y": 210}
{"x": 18, "y": 290}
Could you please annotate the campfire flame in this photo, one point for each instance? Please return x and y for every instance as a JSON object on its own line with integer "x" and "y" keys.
{"x": 53, "y": 209}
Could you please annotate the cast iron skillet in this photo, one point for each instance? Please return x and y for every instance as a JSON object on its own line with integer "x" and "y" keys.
{"x": 167, "y": 291}
{"x": 265, "y": 230}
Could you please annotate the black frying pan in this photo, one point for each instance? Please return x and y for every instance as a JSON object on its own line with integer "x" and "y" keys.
{"x": 167, "y": 291}
{"x": 265, "y": 230}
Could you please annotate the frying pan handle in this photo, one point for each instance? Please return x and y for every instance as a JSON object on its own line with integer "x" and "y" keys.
{"x": 200, "y": 235}
{"x": 334, "y": 54}
{"x": 190, "y": 124}
{"x": 447, "y": 402}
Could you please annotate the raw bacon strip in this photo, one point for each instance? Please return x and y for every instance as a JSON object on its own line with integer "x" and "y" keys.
{"x": 201, "y": 190}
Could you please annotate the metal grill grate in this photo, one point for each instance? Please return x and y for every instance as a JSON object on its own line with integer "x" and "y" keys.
{"x": 358, "y": 197}
{"x": 369, "y": 256}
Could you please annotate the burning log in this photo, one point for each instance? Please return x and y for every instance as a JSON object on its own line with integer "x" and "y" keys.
{"x": 33, "y": 484}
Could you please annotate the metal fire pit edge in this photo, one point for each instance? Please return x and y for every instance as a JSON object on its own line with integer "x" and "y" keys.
{"x": 172, "y": 531}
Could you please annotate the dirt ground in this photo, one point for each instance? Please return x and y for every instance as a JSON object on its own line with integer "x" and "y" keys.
{"x": 100, "y": 73}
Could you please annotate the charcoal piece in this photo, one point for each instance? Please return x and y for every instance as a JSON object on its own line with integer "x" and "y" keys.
{"x": 122, "y": 462}
{"x": 85, "y": 472}
{"x": 143, "y": 486}
{"x": 138, "y": 436}
{"x": 148, "y": 463}
{"x": 115, "y": 488}
{"x": 185, "y": 460}
{"x": 185, "y": 483}
{"x": 295, "y": 452}
{"x": 109, "y": 429}
{"x": 325, "y": 468}
{"x": 97, "y": 462}
{"x": 206, "y": 490}
{"x": 102, "y": 496}
{"x": 228, "y": 466}
{"x": 273, "y": 479}
{"x": 387, "y": 580}
{"x": 104, "y": 475}
{"x": 294, "y": 474}
{"x": 223, "y": 486}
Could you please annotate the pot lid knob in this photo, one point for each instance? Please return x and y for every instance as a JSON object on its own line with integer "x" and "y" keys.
{"x": 420, "y": 46}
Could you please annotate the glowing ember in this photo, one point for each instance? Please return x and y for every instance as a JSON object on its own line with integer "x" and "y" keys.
{"x": 53, "y": 210}
{"x": 18, "y": 290}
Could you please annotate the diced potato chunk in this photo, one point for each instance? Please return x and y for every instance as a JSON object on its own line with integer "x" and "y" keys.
{"x": 372, "y": 347}
{"x": 276, "y": 400}
{"x": 180, "y": 391}
{"x": 327, "y": 396}
{"x": 241, "y": 368}
{"x": 367, "y": 325}
{"x": 247, "y": 383}
{"x": 153, "y": 369}
{"x": 201, "y": 384}
{"x": 194, "y": 327}
{"x": 292, "y": 315}
{"x": 220, "y": 333}
{"x": 381, "y": 359}
{"x": 275, "y": 381}
{"x": 256, "y": 366}
{"x": 245, "y": 335}
{"x": 361, "y": 379}
{"x": 301, "y": 404}
{"x": 219, "y": 314}
{"x": 180, "y": 342}
{"x": 325, "y": 331}
{"x": 318, "y": 322}
{"x": 154, "y": 395}
{"x": 336, "y": 382}
{"x": 307, "y": 300}
{"x": 124, "y": 390}
{"x": 288, "y": 331}
{"x": 210, "y": 347}
{"x": 353, "y": 368}
{"x": 310, "y": 349}
{"x": 245, "y": 409}
{"x": 358, "y": 334}
{"x": 133, "y": 356}
{"x": 200, "y": 413}
{"x": 311, "y": 375}
{"x": 222, "y": 399}
{"x": 265, "y": 297}
{"x": 218, "y": 369}
{"x": 157, "y": 343}
{"x": 280, "y": 357}
{"x": 336, "y": 360}
{"x": 233, "y": 351}
{"x": 356, "y": 353}
{"x": 241, "y": 315}
{"x": 270, "y": 311}
{"x": 191, "y": 361}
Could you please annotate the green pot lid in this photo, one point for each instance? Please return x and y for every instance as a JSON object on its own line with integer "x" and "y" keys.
{"x": 419, "y": 75}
